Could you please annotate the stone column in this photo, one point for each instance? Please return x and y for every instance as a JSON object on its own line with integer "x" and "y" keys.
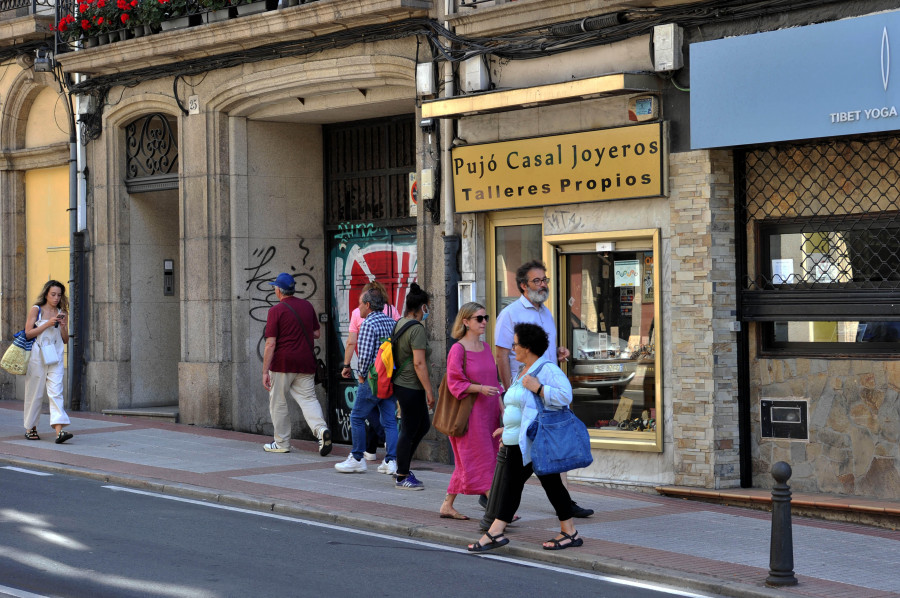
{"x": 12, "y": 266}
{"x": 704, "y": 372}
{"x": 204, "y": 372}
{"x": 108, "y": 306}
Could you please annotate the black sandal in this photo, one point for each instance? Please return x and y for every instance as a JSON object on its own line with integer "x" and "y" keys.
{"x": 63, "y": 436}
{"x": 574, "y": 540}
{"x": 32, "y": 434}
{"x": 496, "y": 542}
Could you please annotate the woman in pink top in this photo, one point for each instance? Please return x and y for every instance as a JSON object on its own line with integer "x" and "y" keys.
{"x": 471, "y": 368}
{"x": 375, "y": 432}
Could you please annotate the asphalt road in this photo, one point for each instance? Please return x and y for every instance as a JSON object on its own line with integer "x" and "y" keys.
{"x": 69, "y": 536}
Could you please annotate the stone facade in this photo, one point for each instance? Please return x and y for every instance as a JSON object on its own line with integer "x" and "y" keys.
{"x": 854, "y": 425}
{"x": 704, "y": 360}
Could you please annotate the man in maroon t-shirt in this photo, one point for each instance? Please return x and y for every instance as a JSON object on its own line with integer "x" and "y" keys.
{"x": 289, "y": 362}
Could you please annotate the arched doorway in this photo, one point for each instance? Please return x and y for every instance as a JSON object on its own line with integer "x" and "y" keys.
{"x": 151, "y": 181}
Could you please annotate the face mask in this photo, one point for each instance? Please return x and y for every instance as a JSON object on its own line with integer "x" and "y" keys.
{"x": 424, "y": 315}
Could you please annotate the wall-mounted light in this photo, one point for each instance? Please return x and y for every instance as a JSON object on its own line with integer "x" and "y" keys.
{"x": 43, "y": 60}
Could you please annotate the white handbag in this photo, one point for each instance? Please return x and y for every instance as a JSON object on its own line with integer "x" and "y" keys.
{"x": 49, "y": 354}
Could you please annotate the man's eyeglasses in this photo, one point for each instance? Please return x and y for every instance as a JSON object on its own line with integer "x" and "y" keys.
{"x": 537, "y": 281}
{"x": 514, "y": 345}
{"x": 481, "y": 319}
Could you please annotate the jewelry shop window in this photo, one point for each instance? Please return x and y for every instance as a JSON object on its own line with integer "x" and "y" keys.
{"x": 609, "y": 313}
{"x": 823, "y": 225}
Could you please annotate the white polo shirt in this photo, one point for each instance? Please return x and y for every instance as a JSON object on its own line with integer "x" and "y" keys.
{"x": 518, "y": 312}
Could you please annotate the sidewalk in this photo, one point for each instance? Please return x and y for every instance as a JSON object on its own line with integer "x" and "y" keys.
{"x": 705, "y": 547}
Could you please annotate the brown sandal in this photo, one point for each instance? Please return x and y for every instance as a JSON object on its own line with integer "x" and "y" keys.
{"x": 32, "y": 434}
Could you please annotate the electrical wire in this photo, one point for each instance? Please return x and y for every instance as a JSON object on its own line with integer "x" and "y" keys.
{"x": 533, "y": 42}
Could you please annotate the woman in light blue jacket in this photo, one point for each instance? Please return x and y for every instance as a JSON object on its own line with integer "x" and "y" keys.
{"x": 520, "y": 407}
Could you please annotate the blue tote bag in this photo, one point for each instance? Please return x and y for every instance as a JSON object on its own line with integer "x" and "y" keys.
{"x": 560, "y": 441}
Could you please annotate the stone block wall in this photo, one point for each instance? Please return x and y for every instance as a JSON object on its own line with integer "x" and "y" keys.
{"x": 704, "y": 359}
{"x": 854, "y": 425}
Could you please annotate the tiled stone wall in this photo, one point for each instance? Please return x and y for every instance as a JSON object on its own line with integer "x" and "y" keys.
{"x": 854, "y": 425}
{"x": 704, "y": 389}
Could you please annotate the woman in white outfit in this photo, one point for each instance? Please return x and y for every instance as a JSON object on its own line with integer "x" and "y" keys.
{"x": 47, "y": 324}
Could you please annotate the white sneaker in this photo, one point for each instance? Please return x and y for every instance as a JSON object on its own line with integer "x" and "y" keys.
{"x": 274, "y": 448}
{"x": 388, "y": 467}
{"x": 369, "y": 456}
{"x": 351, "y": 465}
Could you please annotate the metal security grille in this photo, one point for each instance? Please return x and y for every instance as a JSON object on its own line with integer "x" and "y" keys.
{"x": 837, "y": 203}
{"x": 367, "y": 168}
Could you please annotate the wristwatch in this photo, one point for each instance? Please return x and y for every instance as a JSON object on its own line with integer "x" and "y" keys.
{"x": 346, "y": 365}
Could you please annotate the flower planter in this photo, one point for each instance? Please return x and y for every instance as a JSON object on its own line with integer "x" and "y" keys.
{"x": 90, "y": 42}
{"x": 256, "y": 7}
{"x": 102, "y": 39}
{"x": 214, "y": 16}
{"x": 289, "y": 3}
{"x": 176, "y": 23}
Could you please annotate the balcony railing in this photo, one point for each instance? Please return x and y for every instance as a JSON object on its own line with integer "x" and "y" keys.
{"x": 13, "y": 9}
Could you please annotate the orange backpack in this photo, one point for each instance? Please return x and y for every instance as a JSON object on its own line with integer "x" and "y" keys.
{"x": 381, "y": 372}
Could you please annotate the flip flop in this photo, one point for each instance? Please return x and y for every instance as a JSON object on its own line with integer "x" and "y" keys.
{"x": 495, "y": 542}
{"x": 456, "y": 515}
{"x": 574, "y": 541}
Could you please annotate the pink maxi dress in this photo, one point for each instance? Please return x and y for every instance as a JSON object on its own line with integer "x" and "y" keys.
{"x": 475, "y": 453}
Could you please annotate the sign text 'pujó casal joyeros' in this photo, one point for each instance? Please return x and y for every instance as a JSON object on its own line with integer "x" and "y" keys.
{"x": 621, "y": 163}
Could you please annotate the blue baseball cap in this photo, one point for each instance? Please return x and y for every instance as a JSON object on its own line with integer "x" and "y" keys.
{"x": 284, "y": 281}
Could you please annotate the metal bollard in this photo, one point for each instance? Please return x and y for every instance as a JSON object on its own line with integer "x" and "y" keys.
{"x": 781, "y": 551}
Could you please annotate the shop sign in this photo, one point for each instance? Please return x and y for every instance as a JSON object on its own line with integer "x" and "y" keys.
{"x": 826, "y": 80}
{"x": 621, "y": 163}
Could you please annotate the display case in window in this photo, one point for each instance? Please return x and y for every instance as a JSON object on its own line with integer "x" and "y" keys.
{"x": 608, "y": 314}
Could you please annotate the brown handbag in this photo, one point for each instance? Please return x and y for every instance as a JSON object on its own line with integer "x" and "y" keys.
{"x": 451, "y": 415}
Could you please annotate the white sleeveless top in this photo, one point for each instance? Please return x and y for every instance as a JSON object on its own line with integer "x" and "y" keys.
{"x": 50, "y": 336}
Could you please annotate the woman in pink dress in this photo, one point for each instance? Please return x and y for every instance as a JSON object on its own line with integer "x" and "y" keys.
{"x": 471, "y": 368}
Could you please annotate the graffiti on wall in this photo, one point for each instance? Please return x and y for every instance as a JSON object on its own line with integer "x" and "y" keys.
{"x": 364, "y": 253}
{"x": 262, "y": 294}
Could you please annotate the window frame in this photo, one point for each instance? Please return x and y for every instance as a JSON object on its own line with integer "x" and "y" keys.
{"x": 556, "y": 245}
{"x": 802, "y": 302}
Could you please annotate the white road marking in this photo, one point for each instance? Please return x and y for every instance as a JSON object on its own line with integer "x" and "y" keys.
{"x": 7, "y": 591}
{"x": 585, "y": 574}
{"x": 19, "y": 469}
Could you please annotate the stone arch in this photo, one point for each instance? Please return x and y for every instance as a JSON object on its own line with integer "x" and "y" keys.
{"x": 326, "y": 75}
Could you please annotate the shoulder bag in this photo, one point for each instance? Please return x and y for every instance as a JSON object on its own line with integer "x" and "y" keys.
{"x": 560, "y": 441}
{"x": 321, "y": 376}
{"x": 15, "y": 359}
{"x": 451, "y": 415}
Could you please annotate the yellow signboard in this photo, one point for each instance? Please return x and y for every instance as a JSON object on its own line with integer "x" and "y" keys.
{"x": 621, "y": 163}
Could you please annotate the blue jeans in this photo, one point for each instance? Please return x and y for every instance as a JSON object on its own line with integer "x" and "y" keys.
{"x": 365, "y": 406}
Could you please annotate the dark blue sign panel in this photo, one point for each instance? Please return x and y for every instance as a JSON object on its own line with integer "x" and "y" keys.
{"x": 826, "y": 80}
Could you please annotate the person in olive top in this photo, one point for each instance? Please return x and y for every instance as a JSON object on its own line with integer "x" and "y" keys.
{"x": 412, "y": 386}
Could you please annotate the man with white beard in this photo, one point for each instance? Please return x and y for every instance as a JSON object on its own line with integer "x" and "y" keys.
{"x": 531, "y": 278}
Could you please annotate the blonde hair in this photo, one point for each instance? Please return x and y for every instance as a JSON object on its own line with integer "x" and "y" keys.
{"x": 465, "y": 312}
{"x": 63, "y": 300}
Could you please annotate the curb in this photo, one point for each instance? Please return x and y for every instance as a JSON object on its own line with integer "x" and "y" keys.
{"x": 605, "y": 566}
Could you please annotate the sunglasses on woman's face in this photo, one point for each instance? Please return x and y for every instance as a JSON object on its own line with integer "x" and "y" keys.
{"x": 481, "y": 319}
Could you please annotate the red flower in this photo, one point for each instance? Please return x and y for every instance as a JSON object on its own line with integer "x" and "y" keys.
{"x": 124, "y": 17}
